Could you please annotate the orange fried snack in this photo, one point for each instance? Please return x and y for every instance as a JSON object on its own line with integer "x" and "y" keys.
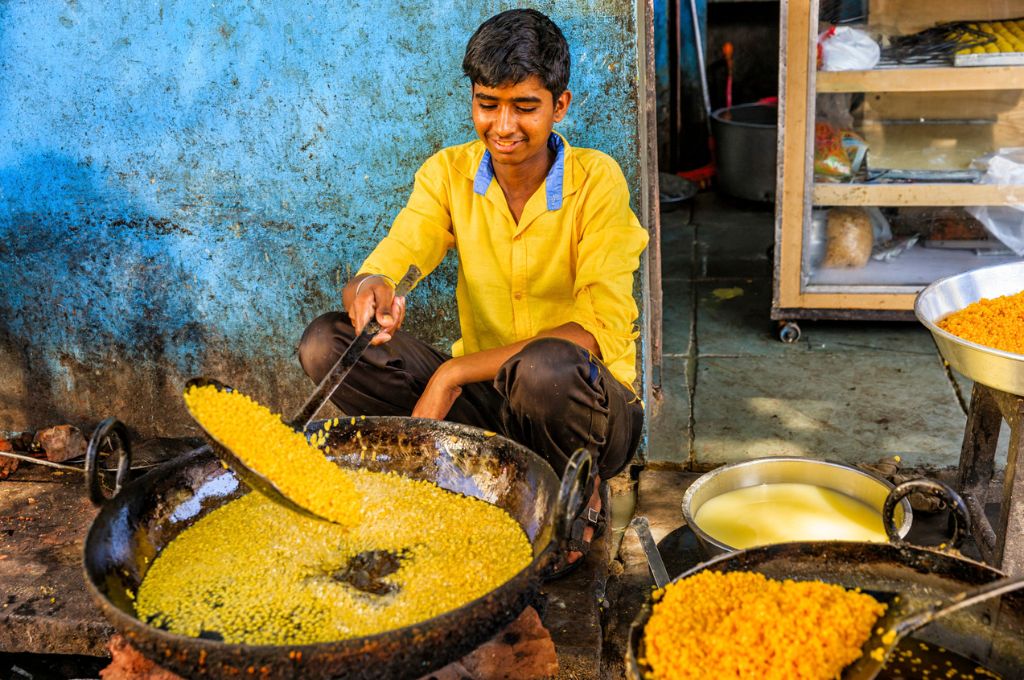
{"x": 994, "y": 322}
{"x": 744, "y": 625}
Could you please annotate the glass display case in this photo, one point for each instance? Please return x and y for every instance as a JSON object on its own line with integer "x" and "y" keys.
{"x": 887, "y": 180}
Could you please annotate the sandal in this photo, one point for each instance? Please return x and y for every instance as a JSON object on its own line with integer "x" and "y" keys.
{"x": 598, "y": 519}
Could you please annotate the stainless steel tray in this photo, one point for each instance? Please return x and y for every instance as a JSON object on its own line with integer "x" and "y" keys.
{"x": 992, "y": 367}
{"x": 990, "y": 59}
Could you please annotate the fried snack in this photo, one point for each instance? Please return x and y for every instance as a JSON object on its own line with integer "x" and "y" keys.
{"x": 273, "y": 449}
{"x": 254, "y": 572}
{"x": 994, "y": 322}
{"x": 744, "y": 625}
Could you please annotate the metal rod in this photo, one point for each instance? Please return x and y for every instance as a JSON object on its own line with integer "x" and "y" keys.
{"x": 330, "y": 383}
{"x": 658, "y": 570}
{"x": 40, "y": 461}
{"x": 963, "y": 600}
{"x": 699, "y": 41}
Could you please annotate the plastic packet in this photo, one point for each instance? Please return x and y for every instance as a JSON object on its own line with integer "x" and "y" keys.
{"x": 849, "y": 237}
{"x": 838, "y": 154}
{"x": 893, "y": 248}
{"x": 830, "y": 159}
{"x": 842, "y": 48}
{"x": 1005, "y": 222}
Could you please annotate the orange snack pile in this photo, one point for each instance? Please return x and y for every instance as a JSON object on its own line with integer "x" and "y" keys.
{"x": 261, "y": 440}
{"x": 993, "y": 322}
{"x": 744, "y": 625}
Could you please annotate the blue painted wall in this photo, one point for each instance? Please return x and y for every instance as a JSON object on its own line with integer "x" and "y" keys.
{"x": 185, "y": 184}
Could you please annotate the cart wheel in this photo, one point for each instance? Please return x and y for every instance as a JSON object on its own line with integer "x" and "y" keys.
{"x": 789, "y": 332}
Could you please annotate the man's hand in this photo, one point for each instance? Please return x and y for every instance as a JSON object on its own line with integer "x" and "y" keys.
{"x": 370, "y": 295}
{"x": 440, "y": 394}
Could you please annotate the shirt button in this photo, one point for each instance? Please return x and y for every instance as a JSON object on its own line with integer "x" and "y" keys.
{"x": 517, "y": 295}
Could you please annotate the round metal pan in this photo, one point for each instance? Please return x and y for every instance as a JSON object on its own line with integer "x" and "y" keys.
{"x": 845, "y": 479}
{"x": 992, "y": 367}
{"x": 990, "y": 634}
{"x": 148, "y": 513}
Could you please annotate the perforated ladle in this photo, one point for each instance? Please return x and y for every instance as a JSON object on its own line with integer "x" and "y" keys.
{"x": 897, "y": 622}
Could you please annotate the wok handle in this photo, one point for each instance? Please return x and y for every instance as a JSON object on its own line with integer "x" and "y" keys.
{"x": 643, "y": 532}
{"x": 111, "y": 427}
{"x": 575, "y": 480}
{"x": 959, "y": 514}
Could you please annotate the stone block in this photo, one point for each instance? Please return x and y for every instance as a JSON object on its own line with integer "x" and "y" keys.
{"x": 61, "y": 443}
{"x": 128, "y": 664}
{"x": 522, "y": 651}
{"x": 7, "y": 465}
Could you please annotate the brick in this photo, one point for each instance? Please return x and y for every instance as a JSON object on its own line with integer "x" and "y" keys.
{"x": 7, "y": 465}
{"x": 61, "y": 443}
{"x": 127, "y": 664}
{"x": 523, "y": 650}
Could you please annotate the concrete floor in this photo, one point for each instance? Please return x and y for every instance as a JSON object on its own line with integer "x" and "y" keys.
{"x": 730, "y": 390}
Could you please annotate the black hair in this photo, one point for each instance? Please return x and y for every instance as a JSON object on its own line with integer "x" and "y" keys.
{"x": 510, "y": 47}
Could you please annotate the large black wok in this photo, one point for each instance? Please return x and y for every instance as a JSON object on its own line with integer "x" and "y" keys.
{"x": 990, "y": 634}
{"x": 148, "y": 513}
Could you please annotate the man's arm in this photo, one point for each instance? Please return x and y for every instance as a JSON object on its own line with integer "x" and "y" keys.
{"x": 445, "y": 385}
{"x": 421, "y": 234}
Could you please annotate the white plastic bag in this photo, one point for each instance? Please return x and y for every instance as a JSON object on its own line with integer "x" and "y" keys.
{"x": 847, "y": 49}
{"x": 1005, "y": 222}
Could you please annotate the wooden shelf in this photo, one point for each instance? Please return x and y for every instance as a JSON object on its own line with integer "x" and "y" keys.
{"x": 922, "y": 79}
{"x": 911, "y": 271}
{"x": 916, "y": 118}
{"x": 918, "y": 194}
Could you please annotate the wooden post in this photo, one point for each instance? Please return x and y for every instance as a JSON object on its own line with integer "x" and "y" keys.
{"x": 1002, "y": 545}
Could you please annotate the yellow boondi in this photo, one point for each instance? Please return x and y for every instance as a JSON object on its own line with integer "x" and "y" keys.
{"x": 254, "y": 572}
{"x": 744, "y": 625}
{"x": 270, "y": 447}
{"x": 993, "y": 322}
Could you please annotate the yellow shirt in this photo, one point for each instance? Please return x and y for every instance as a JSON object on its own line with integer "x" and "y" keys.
{"x": 571, "y": 257}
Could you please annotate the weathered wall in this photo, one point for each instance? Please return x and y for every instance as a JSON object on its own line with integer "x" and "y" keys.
{"x": 185, "y": 184}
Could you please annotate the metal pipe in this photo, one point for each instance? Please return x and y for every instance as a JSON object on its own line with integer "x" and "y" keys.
{"x": 40, "y": 461}
{"x": 699, "y": 41}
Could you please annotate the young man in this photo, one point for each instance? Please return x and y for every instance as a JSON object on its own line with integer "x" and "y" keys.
{"x": 547, "y": 249}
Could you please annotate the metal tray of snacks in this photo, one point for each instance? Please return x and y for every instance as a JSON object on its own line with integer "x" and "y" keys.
{"x": 992, "y": 367}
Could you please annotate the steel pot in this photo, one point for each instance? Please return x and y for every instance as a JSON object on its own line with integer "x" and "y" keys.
{"x": 845, "y": 479}
{"x": 746, "y": 150}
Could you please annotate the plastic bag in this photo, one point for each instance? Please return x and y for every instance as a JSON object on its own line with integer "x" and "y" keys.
{"x": 1005, "y": 222}
{"x": 838, "y": 154}
{"x": 830, "y": 159}
{"x": 849, "y": 236}
{"x": 842, "y": 48}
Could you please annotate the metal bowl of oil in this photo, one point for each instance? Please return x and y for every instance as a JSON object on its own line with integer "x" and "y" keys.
{"x": 832, "y": 494}
{"x": 992, "y": 367}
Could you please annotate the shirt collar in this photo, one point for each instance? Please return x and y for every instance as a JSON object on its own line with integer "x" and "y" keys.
{"x": 555, "y": 177}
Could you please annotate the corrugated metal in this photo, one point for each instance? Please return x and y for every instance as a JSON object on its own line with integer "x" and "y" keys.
{"x": 184, "y": 184}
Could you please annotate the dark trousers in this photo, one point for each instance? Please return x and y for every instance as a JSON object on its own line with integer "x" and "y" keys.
{"x": 553, "y": 396}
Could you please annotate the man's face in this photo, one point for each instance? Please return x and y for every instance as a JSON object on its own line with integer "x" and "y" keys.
{"x": 515, "y": 121}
